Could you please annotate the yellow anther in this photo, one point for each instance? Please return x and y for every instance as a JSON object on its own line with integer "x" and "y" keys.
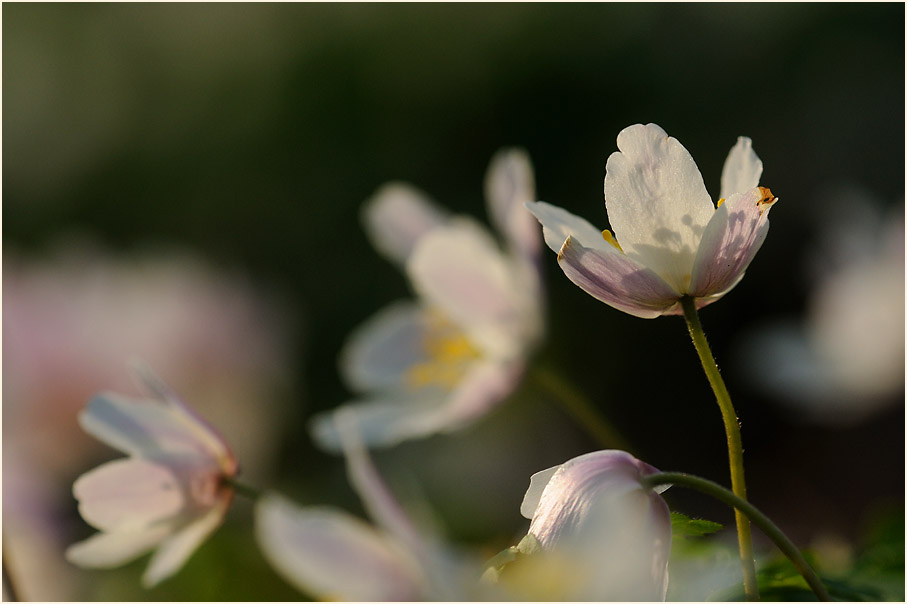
{"x": 610, "y": 239}
{"x": 720, "y": 201}
{"x": 767, "y": 197}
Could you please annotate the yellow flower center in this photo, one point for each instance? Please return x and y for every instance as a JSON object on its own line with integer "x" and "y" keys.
{"x": 448, "y": 352}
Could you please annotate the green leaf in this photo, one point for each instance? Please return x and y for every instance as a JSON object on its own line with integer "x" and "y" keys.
{"x": 682, "y": 526}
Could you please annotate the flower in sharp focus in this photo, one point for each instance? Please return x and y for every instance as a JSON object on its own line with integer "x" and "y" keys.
{"x": 439, "y": 362}
{"x": 600, "y": 533}
{"x": 168, "y": 495}
{"x": 669, "y": 240}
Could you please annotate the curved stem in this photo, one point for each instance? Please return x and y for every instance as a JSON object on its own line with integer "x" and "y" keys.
{"x": 759, "y": 519}
{"x": 734, "y": 442}
{"x": 580, "y": 408}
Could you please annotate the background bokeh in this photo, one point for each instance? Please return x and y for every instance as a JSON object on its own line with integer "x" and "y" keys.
{"x": 246, "y": 136}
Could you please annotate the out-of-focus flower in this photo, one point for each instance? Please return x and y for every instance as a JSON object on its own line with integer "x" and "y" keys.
{"x": 328, "y": 553}
{"x": 169, "y": 494}
{"x": 70, "y": 319}
{"x": 442, "y": 361}
{"x": 598, "y": 533}
{"x": 669, "y": 240}
{"x": 845, "y": 361}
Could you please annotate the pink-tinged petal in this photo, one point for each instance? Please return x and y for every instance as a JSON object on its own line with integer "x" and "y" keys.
{"x": 595, "y": 514}
{"x": 460, "y": 270}
{"x": 128, "y": 494}
{"x": 332, "y": 555}
{"x": 381, "y": 505}
{"x": 558, "y": 224}
{"x": 108, "y": 550}
{"x": 397, "y": 216}
{"x": 509, "y": 184}
{"x": 742, "y": 169}
{"x": 730, "y": 242}
{"x": 381, "y": 352}
{"x": 657, "y": 203}
{"x": 616, "y": 280}
{"x": 173, "y": 552}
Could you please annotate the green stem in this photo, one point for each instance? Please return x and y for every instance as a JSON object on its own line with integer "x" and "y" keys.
{"x": 580, "y": 408}
{"x": 759, "y": 519}
{"x": 734, "y": 442}
{"x": 243, "y": 489}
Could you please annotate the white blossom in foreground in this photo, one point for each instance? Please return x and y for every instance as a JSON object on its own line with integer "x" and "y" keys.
{"x": 438, "y": 363}
{"x": 844, "y": 361}
{"x": 670, "y": 240}
{"x": 330, "y": 554}
{"x": 168, "y": 495}
{"x": 597, "y": 532}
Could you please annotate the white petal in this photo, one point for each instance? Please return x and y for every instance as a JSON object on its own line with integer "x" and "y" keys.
{"x": 127, "y": 494}
{"x": 380, "y": 352}
{"x": 176, "y": 549}
{"x": 537, "y": 484}
{"x": 397, "y": 216}
{"x": 396, "y": 416}
{"x": 384, "y": 420}
{"x": 742, "y": 169}
{"x": 460, "y": 270}
{"x": 657, "y": 203}
{"x": 731, "y": 240}
{"x": 377, "y": 498}
{"x": 196, "y": 427}
{"x": 332, "y": 555}
{"x": 558, "y": 224}
{"x": 108, "y": 550}
{"x": 509, "y": 184}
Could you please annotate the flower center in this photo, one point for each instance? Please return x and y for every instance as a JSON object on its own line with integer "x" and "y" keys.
{"x": 448, "y": 352}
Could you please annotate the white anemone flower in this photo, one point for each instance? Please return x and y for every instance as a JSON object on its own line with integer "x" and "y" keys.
{"x": 843, "y": 362}
{"x": 330, "y": 554}
{"x": 170, "y": 494}
{"x": 438, "y": 363}
{"x": 670, "y": 240}
{"x": 600, "y": 533}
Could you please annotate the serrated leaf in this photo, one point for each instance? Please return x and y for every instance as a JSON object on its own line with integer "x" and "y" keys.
{"x": 682, "y": 526}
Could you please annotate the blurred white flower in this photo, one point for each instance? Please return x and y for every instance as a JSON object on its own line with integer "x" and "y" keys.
{"x": 328, "y": 553}
{"x": 599, "y": 534}
{"x": 169, "y": 494}
{"x": 845, "y": 360}
{"x": 437, "y": 363}
{"x": 669, "y": 240}
{"x": 70, "y": 320}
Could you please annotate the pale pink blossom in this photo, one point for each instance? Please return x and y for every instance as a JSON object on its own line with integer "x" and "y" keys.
{"x": 168, "y": 495}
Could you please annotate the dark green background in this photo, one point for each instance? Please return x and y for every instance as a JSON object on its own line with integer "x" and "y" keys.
{"x": 253, "y": 132}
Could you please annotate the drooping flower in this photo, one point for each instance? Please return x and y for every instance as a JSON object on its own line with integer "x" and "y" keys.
{"x": 670, "y": 240}
{"x": 598, "y": 532}
{"x": 328, "y": 553}
{"x": 168, "y": 495}
{"x": 439, "y": 362}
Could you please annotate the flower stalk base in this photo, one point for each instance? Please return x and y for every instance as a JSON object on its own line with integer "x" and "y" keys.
{"x": 734, "y": 443}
